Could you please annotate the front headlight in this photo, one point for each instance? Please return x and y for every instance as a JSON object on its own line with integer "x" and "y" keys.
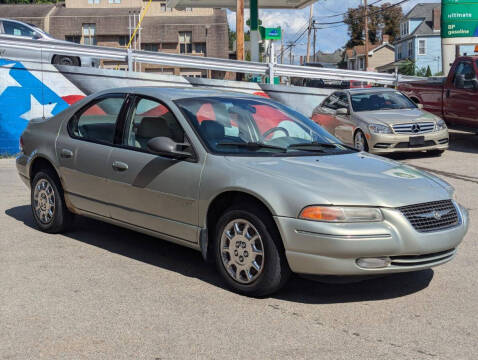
{"x": 342, "y": 214}
{"x": 379, "y": 129}
{"x": 440, "y": 125}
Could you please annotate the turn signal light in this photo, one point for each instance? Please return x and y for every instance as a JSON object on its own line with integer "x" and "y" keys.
{"x": 349, "y": 214}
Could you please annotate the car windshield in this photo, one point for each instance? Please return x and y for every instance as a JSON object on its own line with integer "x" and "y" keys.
{"x": 389, "y": 100}
{"x": 246, "y": 126}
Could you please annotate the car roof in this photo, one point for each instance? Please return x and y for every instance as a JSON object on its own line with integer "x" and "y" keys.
{"x": 176, "y": 93}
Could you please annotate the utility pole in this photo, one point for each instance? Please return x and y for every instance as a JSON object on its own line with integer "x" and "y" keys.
{"x": 366, "y": 34}
{"x": 282, "y": 49}
{"x": 240, "y": 30}
{"x": 315, "y": 41}
{"x": 291, "y": 55}
{"x": 309, "y": 33}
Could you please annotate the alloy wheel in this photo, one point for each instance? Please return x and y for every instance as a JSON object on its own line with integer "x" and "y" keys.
{"x": 242, "y": 251}
{"x": 359, "y": 142}
{"x": 44, "y": 201}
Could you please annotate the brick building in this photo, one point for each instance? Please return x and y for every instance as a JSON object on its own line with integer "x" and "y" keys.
{"x": 199, "y": 32}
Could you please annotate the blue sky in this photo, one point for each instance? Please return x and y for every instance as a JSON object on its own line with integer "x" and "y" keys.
{"x": 294, "y": 21}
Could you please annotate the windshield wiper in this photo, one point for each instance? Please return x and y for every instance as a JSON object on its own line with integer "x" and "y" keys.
{"x": 313, "y": 146}
{"x": 252, "y": 146}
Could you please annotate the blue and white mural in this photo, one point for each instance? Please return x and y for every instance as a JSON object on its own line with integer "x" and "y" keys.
{"x": 24, "y": 95}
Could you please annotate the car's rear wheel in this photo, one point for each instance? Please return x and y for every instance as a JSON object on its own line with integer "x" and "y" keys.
{"x": 66, "y": 60}
{"x": 360, "y": 142}
{"x": 249, "y": 255}
{"x": 48, "y": 204}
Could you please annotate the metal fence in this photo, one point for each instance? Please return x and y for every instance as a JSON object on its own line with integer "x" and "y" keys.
{"x": 129, "y": 56}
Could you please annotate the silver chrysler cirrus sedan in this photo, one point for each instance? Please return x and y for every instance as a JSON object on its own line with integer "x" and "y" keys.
{"x": 255, "y": 186}
{"x": 380, "y": 120}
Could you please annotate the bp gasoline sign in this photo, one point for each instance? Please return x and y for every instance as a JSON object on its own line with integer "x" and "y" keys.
{"x": 459, "y": 18}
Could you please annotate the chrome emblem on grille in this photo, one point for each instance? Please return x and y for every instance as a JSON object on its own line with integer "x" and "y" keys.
{"x": 415, "y": 128}
{"x": 437, "y": 215}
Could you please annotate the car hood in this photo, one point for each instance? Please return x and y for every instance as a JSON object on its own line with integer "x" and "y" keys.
{"x": 390, "y": 117}
{"x": 350, "y": 179}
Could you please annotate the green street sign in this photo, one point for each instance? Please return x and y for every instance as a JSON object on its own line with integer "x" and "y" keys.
{"x": 271, "y": 33}
{"x": 459, "y": 18}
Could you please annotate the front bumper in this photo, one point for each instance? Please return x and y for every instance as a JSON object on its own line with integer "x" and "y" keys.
{"x": 319, "y": 248}
{"x": 390, "y": 143}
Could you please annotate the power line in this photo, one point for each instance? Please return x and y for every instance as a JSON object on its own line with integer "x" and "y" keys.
{"x": 371, "y": 13}
{"x": 344, "y": 13}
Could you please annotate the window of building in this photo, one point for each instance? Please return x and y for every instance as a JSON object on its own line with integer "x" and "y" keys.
{"x": 361, "y": 63}
{"x": 123, "y": 40}
{"x": 200, "y": 48}
{"x": 151, "y": 47}
{"x": 91, "y": 2}
{"x": 89, "y": 34}
{"x": 404, "y": 28}
{"x": 410, "y": 49}
{"x": 73, "y": 38}
{"x": 422, "y": 47}
{"x": 163, "y": 7}
{"x": 114, "y": 1}
{"x": 185, "y": 45}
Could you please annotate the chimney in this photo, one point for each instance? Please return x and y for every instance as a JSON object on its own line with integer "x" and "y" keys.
{"x": 385, "y": 39}
{"x": 436, "y": 19}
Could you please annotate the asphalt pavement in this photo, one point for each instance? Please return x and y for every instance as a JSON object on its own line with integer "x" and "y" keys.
{"x": 102, "y": 292}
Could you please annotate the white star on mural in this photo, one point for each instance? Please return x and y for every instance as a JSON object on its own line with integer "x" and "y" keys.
{"x": 6, "y": 80}
{"x": 38, "y": 110}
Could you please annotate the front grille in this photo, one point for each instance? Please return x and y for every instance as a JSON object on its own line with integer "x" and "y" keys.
{"x": 432, "y": 216}
{"x": 414, "y": 128}
{"x": 414, "y": 260}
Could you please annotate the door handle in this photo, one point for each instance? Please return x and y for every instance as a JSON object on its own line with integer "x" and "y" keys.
{"x": 120, "y": 166}
{"x": 66, "y": 153}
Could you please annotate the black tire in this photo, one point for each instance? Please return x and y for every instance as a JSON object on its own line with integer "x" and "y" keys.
{"x": 62, "y": 217}
{"x": 357, "y": 133}
{"x": 275, "y": 271}
{"x": 66, "y": 60}
{"x": 436, "y": 152}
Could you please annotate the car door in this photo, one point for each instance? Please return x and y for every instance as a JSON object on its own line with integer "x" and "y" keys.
{"x": 345, "y": 127}
{"x": 17, "y": 30}
{"x": 460, "y": 103}
{"x": 150, "y": 191}
{"x": 83, "y": 148}
{"x": 324, "y": 114}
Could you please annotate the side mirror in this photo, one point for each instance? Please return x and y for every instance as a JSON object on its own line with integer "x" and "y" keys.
{"x": 474, "y": 82}
{"x": 420, "y": 106}
{"x": 165, "y": 146}
{"x": 342, "y": 111}
{"x": 460, "y": 81}
{"x": 36, "y": 36}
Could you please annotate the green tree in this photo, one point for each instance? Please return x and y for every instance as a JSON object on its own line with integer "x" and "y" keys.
{"x": 383, "y": 19}
{"x": 429, "y": 71}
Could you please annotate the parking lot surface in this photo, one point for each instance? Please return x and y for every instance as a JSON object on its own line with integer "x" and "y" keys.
{"x": 102, "y": 292}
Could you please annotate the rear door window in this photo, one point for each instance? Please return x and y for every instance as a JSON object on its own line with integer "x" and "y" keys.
{"x": 97, "y": 122}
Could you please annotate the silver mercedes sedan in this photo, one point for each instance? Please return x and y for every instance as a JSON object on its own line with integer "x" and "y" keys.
{"x": 253, "y": 185}
{"x": 380, "y": 121}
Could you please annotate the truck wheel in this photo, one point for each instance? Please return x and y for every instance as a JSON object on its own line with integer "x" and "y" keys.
{"x": 249, "y": 252}
{"x": 48, "y": 203}
{"x": 66, "y": 60}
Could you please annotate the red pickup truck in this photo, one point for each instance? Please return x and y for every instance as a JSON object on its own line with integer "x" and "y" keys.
{"x": 454, "y": 98}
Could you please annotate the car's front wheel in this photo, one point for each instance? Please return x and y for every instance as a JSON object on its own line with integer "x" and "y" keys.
{"x": 48, "y": 203}
{"x": 66, "y": 60}
{"x": 249, "y": 255}
{"x": 360, "y": 142}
